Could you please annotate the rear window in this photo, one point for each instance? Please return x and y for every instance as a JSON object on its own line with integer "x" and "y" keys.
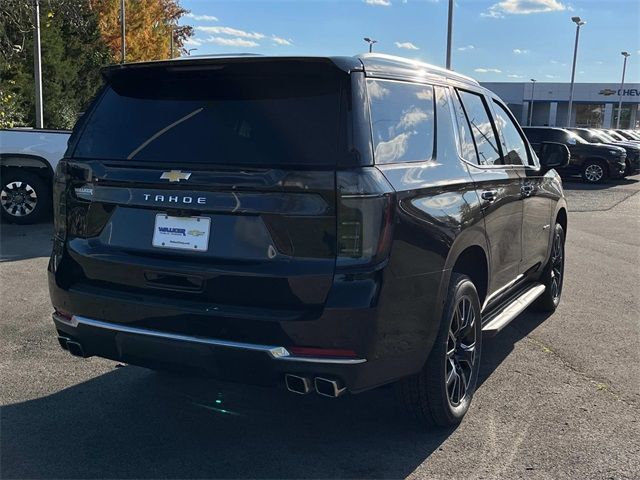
{"x": 254, "y": 114}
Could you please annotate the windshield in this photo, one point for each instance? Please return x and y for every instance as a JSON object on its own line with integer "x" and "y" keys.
{"x": 217, "y": 115}
{"x": 577, "y": 137}
{"x": 603, "y": 137}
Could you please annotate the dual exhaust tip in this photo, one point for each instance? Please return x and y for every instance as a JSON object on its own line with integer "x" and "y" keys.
{"x": 74, "y": 348}
{"x": 326, "y": 387}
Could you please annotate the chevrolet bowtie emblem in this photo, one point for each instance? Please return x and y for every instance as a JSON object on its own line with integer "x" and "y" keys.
{"x": 175, "y": 175}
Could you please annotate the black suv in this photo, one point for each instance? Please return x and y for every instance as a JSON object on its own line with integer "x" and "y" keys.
{"x": 331, "y": 224}
{"x": 595, "y": 163}
{"x": 631, "y": 148}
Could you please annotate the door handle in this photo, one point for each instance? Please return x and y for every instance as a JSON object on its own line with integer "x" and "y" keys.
{"x": 489, "y": 195}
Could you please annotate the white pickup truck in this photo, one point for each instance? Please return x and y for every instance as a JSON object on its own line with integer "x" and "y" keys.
{"x": 28, "y": 159}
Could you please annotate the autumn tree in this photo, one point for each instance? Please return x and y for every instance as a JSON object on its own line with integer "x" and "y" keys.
{"x": 149, "y": 27}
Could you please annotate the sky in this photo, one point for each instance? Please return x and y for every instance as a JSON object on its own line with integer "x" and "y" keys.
{"x": 508, "y": 40}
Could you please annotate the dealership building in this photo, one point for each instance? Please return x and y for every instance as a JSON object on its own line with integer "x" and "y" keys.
{"x": 594, "y": 104}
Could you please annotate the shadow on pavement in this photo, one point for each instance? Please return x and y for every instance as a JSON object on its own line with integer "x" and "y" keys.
{"x": 577, "y": 184}
{"x": 21, "y": 242}
{"x": 134, "y": 423}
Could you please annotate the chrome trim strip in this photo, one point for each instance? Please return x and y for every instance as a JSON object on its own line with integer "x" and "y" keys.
{"x": 275, "y": 352}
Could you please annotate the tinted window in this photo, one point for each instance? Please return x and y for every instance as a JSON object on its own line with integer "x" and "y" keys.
{"x": 446, "y": 151}
{"x": 481, "y": 128}
{"x": 224, "y": 115}
{"x": 512, "y": 142}
{"x": 468, "y": 148}
{"x": 402, "y": 121}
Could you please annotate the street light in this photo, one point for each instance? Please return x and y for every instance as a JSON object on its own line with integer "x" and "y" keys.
{"x": 370, "y": 41}
{"x": 624, "y": 68}
{"x": 449, "y": 34}
{"x": 191, "y": 50}
{"x": 579, "y": 22}
{"x": 533, "y": 86}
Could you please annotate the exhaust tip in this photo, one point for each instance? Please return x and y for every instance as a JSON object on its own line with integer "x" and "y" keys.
{"x": 328, "y": 387}
{"x": 63, "y": 341}
{"x": 297, "y": 384}
{"x": 75, "y": 349}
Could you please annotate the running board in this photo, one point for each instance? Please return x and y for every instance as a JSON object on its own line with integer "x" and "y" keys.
{"x": 515, "y": 307}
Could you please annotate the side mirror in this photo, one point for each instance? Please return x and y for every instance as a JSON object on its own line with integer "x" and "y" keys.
{"x": 553, "y": 155}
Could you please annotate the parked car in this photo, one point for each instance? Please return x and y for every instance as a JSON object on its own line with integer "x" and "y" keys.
{"x": 594, "y": 162}
{"x": 612, "y": 133}
{"x": 28, "y": 158}
{"x": 302, "y": 221}
{"x": 631, "y": 148}
{"x": 629, "y": 135}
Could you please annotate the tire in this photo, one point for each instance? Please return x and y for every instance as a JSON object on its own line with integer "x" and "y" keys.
{"x": 594, "y": 171}
{"x": 428, "y": 396}
{"x": 25, "y": 197}
{"x": 553, "y": 274}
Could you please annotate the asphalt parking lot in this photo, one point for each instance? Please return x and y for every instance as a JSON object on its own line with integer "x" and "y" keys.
{"x": 559, "y": 395}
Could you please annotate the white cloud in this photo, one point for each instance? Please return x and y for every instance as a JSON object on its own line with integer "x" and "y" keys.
{"x": 523, "y": 7}
{"x": 412, "y": 117}
{"x": 377, "y": 91}
{"x": 232, "y": 42}
{"x": 520, "y": 51}
{"x": 232, "y": 32}
{"x": 193, "y": 42}
{"x": 465, "y": 48}
{"x": 550, "y": 76}
{"x": 206, "y": 18}
{"x": 281, "y": 41}
{"x": 487, "y": 70}
{"x": 513, "y": 75}
{"x": 600, "y": 62}
{"x": 379, "y": 3}
{"x": 407, "y": 45}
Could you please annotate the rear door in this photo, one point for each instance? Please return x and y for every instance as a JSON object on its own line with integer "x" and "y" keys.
{"x": 212, "y": 185}
{"x": 537, "y": 202}
{"x": 498, "y": 187}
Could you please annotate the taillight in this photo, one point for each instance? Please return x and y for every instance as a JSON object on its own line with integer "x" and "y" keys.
{"x": 60, "y": 200}
{"x": 365, "y": 216}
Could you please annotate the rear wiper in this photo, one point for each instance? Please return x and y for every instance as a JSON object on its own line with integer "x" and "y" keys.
{"x": 162, "y": 132}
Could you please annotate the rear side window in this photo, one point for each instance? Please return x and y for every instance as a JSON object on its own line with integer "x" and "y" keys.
{"x": 481, "y": 128}
{"x": 256, "y": 114}
{"x": 513, "y": 144}
{"x": 401, "y": 120}
{"x": 464, "y": 131}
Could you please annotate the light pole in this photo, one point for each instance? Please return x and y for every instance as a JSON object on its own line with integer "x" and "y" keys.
{"x": 191, "y": 50}
{"x": 533, "y": 86}
{"x": 579, "y": 22}
{"x": 370, "y": 41}
{"x": 37, "y": 63}
{"x": 624, "y": 68}
{"x": 123, "y": 40}
{"x": 449, "y": 34}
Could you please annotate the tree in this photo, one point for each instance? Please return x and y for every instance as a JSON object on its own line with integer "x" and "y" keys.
{"x": 149, "y": 27}
{"x": 78, "y": 37}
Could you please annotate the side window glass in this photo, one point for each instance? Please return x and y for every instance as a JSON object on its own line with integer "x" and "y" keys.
{"x": 481, "y": 128}
{"x": 402, "y": 121}
{"x": 513, "y": 144}
{"x": 446, "y": 150}
{"x": 464, "y": 132}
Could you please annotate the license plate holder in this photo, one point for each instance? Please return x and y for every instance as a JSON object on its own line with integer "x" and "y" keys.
{"x": 181, "y": 233}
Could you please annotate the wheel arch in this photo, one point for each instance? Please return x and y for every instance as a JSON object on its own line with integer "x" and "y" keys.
{"x": 38, "y": 165}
